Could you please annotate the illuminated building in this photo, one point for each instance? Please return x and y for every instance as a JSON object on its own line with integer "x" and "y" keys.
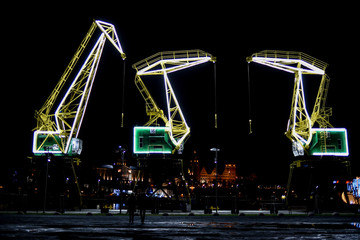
{"x": 352, "y": 195}
{"x": 116, "y": 176}
{"x": 194, "y": 170}
{"x": 227, "y": 177}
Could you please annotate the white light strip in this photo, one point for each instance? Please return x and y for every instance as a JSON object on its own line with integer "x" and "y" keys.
{"x": 116, "y": 45}
{"x": 306, "y": 112}
{"x": 134, "y": 141}
{"x": 73, "y": 83}
{"x": 147, "y": 152}
{"x": 92, "y": 73}
{"x": 101, "y": 39}
{"x": 298, "y": 87}
{"x": 167, "y": 84}
{"x": 279, "y": 63}
{"x": 330, "y": 130}
{"x": 331, "y": 154}
{"x": 279, "y": 67}
{"x": 185, "y": 63}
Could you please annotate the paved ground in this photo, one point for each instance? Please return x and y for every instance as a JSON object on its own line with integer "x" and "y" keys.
{"x": 170, "y": 213}
{"x": 13, "y": 226}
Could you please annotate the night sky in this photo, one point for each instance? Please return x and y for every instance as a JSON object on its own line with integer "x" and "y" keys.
{"x": 40, "y": 41}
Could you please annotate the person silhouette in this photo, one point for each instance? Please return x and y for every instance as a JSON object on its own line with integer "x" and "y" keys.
{"x": 131, "y": 202}
{"x": 142, "y": 206}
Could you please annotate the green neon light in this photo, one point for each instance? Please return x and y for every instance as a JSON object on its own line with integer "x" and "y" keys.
{"x": 48, "y": 142}
{"x": 152, "y": 140}
{"x": 329, "y": 142}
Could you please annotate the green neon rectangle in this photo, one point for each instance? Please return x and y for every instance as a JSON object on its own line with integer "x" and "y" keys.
{"x": 152, "y": 140}
{"x": 49, "y": 142}
{"x": 334, "y": 144}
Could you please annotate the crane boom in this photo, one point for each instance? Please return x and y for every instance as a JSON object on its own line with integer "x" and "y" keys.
{"x": 164, "y": 63}
{"x": 43, "y": 116}
{"x": 300, "y": 124}
{"x": 60, "y": 136}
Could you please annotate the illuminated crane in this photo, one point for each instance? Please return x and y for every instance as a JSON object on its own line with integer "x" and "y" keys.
{"x": 167, "y": 139}
{"x": 305, "y": 138}
{"x": 58, "y": 133}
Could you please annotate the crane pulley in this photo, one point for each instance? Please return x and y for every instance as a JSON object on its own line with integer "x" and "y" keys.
{"x": 168, "y": 139}
{"x": 300, "y": 125}
{"x": 59, "y": 137}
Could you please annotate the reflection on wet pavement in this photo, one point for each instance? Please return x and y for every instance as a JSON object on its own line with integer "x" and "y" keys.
{"x": 177, "y": 227}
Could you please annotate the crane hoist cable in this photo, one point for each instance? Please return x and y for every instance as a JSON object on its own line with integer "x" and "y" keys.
{"x": 60, "y": 137}
{"x": 123, "y": 95}
{"x": 249, "y": 98}
{"x": 215, "y": 97}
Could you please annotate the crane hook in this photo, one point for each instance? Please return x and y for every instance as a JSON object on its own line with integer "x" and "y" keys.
{"x": 215, "y": 96}
{"x": 250, "y": 129}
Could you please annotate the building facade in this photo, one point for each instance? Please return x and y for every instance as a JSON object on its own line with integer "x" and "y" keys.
{"x": 225, "y": 179}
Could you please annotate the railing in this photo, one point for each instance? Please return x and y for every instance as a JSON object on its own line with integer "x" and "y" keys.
{"x": 278, "y": 54}
{"x": 169, "y": 55}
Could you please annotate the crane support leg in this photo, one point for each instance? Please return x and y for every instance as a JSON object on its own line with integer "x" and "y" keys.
{"x": 76, "y": 180}
{"x": 291, "y": 170}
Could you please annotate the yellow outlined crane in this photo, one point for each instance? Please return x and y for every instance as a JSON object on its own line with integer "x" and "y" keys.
{"x": 168, "y": 139}
{"x": 57, "y": 133}
{"x": 300, "y": 128}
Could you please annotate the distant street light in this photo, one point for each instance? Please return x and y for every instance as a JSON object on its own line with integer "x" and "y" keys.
{"x": 216, "y": 150}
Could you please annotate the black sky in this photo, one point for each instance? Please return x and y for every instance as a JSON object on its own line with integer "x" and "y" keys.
{"x": 39, "y": 42}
